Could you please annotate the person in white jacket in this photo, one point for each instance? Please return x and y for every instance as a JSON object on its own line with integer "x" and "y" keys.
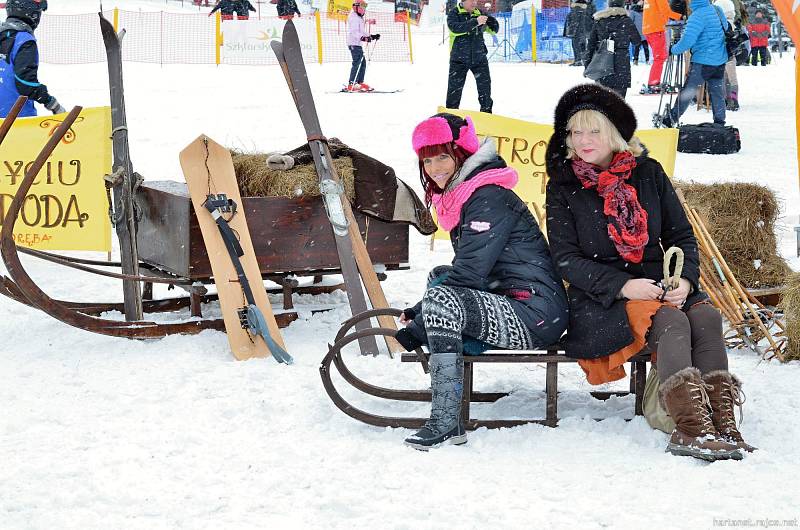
{"x": 356, "y": 37}
{"x": 731, "y": 81}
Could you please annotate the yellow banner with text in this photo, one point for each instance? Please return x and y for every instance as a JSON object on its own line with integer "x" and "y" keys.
{"x": 66, "y": 208}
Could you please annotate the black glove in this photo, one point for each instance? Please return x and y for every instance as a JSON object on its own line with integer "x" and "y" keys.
{"x": 366, "y": 38}
{"x": 407, "y": 339}
{"x": 410, "y": 313}
{"x": 376, "y": 36}
{"x": 54, "y": 106}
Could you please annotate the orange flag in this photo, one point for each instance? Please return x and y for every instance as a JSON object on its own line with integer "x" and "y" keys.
{"x": 790, "y": 16}
{"x": 789, "y": 11}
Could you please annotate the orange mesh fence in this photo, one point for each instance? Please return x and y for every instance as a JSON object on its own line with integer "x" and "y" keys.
{"x": 189, "y": 38}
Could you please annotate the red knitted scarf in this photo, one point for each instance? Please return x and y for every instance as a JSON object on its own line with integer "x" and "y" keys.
{"x": 627, "y": 220}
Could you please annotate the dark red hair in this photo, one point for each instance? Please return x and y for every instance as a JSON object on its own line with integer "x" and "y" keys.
{"x": 429, "y": 151}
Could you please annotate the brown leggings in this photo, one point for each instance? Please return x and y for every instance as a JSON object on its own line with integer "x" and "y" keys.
{"x": 693, "y": 338}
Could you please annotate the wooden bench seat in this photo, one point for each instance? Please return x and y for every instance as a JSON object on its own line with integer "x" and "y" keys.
{"x": 552, "y": 356}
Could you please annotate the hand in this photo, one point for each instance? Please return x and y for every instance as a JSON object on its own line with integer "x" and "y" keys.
{"x": 54, "y": 106}
{"x": 482, "y": 20}
{"x": 407, "y": 316}
{"x": 641, "y": 289}
{"x": 376, "y": 36}
{"x": 366, "y": 38}
{"x": 677, "y": 296}
{"x": 371, "y": 21}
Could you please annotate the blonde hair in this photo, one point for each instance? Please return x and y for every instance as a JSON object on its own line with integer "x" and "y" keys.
{"x": 591, "y": 119}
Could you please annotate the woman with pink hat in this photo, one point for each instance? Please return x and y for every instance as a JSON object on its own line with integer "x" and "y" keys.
{"x": 502, "y": 289}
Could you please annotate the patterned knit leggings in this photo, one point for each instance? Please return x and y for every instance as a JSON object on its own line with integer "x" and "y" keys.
{"x": 451, "y": 312}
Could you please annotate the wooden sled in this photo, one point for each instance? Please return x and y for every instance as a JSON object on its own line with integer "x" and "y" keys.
{"x": 552, "y": 356}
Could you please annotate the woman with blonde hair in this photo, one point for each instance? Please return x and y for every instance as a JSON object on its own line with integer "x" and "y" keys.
{"x": 611, "y": 214}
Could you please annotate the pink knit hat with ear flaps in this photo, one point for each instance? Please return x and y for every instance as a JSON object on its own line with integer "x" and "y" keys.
{"x": 445, "y": 128}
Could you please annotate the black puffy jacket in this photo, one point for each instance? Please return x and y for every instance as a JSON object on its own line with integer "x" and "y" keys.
{"x": 615, "y": 24}
{"x": 511, "y": 254}
{"x": 466, "y": 37}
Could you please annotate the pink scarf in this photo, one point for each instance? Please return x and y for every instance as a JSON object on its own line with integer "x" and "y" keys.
{"x": 448, "y": 205}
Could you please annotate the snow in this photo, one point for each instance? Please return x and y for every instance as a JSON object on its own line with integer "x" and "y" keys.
{"x": 97, "y": 432}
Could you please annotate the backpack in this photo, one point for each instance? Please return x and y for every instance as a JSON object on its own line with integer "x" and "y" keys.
{"x": 735, "y": 36}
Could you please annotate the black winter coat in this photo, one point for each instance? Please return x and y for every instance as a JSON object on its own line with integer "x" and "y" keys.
{"x": 589, "y": 261}
{"x": 512, "y": 254}
{"x": 579, "y": 20}
{"x": 287, "y": 8}
{"x": 614, "y": 23}
{"x": 466, "y": 37}
{"x": 225, "y": 7}
{"x": 243, "y": 8}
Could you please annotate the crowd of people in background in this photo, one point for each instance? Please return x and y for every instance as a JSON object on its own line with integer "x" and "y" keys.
{"x": 658, "y": 25}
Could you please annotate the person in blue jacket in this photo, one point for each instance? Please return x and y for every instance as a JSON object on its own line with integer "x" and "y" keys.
{"x": 704, "y": 35}
{"x": 502, "y": 289}
{"x": 19, "y": 59}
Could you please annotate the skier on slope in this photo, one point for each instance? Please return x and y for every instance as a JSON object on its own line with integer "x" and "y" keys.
{"x": 356, "y": 37}
{"x": 20, "y": 59}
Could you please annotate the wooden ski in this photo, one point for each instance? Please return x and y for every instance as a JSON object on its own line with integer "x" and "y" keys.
{"x": 290, "y": 58}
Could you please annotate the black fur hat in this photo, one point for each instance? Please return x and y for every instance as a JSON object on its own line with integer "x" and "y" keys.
{"x": 590, "y": 96}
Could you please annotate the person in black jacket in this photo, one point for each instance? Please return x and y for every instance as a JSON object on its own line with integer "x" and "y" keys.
{"x": 615, "y": 25}
{"x": 468, "y": 52}
{"x": 502, "y": 289}
{"x": 226, "y": 9}
{"x": 19, "y": 66}
{"x": 243, "y": 9}
{"x": 577, "y": 26}
{"x": 611, "y": 214}
{"x": 287, "y": 9}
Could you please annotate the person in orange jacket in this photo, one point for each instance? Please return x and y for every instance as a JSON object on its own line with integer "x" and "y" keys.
{"x": 654, "y": 22}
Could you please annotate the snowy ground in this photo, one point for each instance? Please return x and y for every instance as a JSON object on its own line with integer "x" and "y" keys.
{"x": 107, "y": 433}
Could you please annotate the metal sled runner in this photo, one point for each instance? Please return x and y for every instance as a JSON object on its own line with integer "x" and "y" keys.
{"x": 551, "y": 356}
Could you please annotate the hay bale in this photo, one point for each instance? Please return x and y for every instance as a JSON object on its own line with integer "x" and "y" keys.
{"x": 256, "y": 179}
{"x": 790, "y": 304}
{"x": 741, "y": 218}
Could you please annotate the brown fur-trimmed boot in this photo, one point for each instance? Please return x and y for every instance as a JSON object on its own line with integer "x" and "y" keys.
{"x": 684, "y": 396}
{"x": 724, "y": 394}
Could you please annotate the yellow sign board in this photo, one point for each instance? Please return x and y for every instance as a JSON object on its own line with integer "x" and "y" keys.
{"x": 339, "y": 9}
{"x": 66, "y": 208}
{"x": 523, "y": 145}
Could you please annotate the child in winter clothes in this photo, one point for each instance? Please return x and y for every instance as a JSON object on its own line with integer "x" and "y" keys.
{"x": 759, "y": 39}
{"x": 577, "y": 26}
{"x": 611, "y": 212}
{"x": 502, "y": 288}
{"x": 615, "y": 25}
{"x": 357, "y": 36}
